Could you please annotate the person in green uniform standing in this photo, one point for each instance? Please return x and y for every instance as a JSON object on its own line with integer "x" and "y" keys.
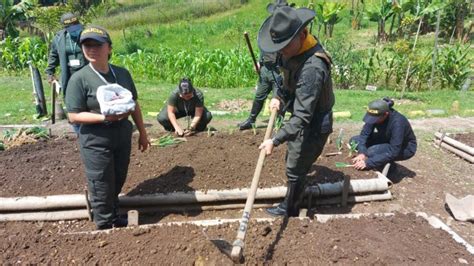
{"x": 185, "y": 101}
{"x": 306, "y": 93}
{"x": 268, "y": 79}
{"x": 65, "y": 51}
{"x": 105, "y": 140}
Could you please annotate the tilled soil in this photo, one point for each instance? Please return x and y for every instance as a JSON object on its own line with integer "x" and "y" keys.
{"x": 224, "y": 161}
{"x": 466, "y": 138}
{"x": 221, "y": 161}
{"x": 402, "y": 239}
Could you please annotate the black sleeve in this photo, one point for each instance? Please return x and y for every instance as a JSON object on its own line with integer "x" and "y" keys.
{"x": 367, "y": 130}
{"x": 396, "y": 142}
{"x": 53, "y": 58}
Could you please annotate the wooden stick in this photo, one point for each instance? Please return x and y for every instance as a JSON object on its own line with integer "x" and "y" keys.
{"x": 459, "y": 145}
{"x": 238, "y": 244}
{"x": 456, "y": 151}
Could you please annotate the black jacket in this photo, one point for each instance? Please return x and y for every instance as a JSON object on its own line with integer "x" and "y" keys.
{"x": 395, "y": 130}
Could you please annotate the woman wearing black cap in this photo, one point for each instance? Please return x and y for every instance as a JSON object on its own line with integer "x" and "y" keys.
{"x": 185, "y": 101}
{"x": 386, "y": 137}
{"x": 105, "y": 140}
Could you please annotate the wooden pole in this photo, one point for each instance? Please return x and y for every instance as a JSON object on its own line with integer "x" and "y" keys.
{"x": 459, "y": 145}
{"x": 456, "y": 151}
{"x": 238, "y": 244}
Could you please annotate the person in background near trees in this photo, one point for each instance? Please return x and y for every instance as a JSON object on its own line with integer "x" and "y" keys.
{"x": 386, "y": 137}
{"x": 306, "y": 93}
{"x": 185, "y": 101}
{"x": 65, "y": 51}
{"x": 105, "y": 141}
{"x": 268, "y": 78}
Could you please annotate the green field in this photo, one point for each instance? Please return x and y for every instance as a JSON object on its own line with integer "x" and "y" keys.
{"x": 160, "y": 41}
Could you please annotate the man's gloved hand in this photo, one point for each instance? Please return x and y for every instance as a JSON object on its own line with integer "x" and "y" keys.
{"x": 189, "y": 132}
{"x": 51, "y": 78}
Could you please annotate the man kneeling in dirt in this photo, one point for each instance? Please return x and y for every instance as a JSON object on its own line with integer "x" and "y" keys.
{"x": 386, "y": 137}
{"x": 307, "y": 93}
{"x": 185, "y": 101}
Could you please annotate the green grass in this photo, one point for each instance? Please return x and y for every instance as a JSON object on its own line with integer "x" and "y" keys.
{"x": 17, "y": 104}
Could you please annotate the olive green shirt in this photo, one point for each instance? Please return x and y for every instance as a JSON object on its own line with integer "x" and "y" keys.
{"x": 82, "y": 88}
{"x": 186, "y": 106}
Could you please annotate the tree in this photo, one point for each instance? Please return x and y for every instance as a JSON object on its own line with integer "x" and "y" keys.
{"x": 10, "y": 14}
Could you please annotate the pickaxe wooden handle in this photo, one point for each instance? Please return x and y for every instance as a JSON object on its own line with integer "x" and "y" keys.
{"x": 249, "y": 45}
{"x": 238, "y": 244}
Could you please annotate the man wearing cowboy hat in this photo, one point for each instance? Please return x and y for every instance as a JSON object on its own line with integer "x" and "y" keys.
{"x": 66, "y": 51}
{"x": 306, "y": 93}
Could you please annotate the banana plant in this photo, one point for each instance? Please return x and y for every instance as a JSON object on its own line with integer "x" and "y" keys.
{"x": 327, "y": 14}
{"x": 10, "y": 13}
{"x": 380, "y": 13}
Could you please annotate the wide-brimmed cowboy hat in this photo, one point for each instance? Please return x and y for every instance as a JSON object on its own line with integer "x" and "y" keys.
{"x": 282, "y": 26}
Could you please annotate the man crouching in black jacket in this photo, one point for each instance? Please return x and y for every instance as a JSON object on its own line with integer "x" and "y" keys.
{"x": 386, "y": 137}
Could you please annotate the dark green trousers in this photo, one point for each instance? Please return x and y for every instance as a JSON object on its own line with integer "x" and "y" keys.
{"x": 302, "y": 153}
{"x": 164, "y": 120}
{"x": 105, "y": 151}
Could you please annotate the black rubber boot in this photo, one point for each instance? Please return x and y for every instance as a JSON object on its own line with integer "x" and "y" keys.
{"x": 250, "y": 122}
{"x": 282, "y": 208}
{"x": 298, "y": 195}
{"x": 247, "y": 124}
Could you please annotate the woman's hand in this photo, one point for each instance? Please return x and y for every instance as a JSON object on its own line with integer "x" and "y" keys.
{"x": 267, "y": 145}
{"x": 114, "y": 118}
{"x": 143, "y": 142}
{"x": 179, "y": 131}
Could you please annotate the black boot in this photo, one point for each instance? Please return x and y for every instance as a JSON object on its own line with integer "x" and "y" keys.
{"x": 298, "y": 195}
{"x": 247, "y": 124}
{"x": 250, "y": 122}
{"x": 282, "y": 208}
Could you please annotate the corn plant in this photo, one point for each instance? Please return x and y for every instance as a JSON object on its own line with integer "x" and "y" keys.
{"x": 278, "y": 122}
{"x": 454, "y": 66}
{"x": 342, "y": 165}
{"x": 254, "y": 129}
{"x": 352, "y": 147}
{"x": 9, "y": 134}
{"x": 38, "y": 132}
{"x": 339, "y": 140}
{"x": 167, "y": 140}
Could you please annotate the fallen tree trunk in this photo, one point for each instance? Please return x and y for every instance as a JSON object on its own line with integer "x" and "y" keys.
{"x": 75, "y": 201}
{"x": 456, "y": 151}
{"x": 459, "y": 145}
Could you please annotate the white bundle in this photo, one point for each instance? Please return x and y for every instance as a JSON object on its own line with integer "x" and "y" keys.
{"x": 115, "y": 99}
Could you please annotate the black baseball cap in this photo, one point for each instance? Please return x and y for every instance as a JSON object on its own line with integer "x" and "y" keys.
{"x": 375, "y": 110}
{"x": 185, "y": 86}
{"x": 96, "y": 33}
{"x": 70, "y": 22}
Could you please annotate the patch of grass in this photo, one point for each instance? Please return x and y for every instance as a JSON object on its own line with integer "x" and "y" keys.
{"x": 17, "y": 104}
